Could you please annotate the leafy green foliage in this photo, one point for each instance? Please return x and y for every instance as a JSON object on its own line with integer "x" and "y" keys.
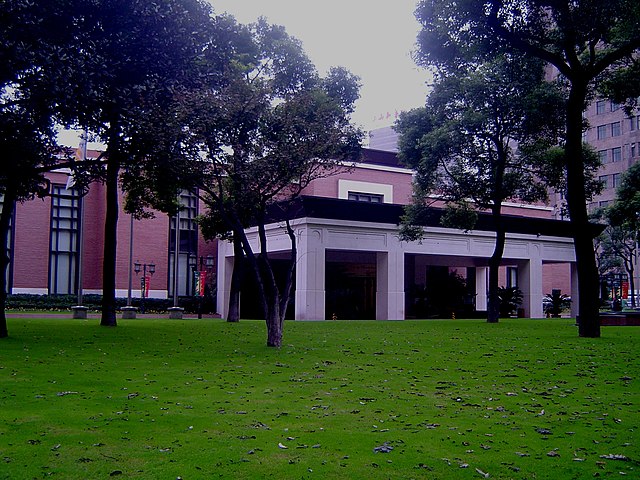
{"x": 555, "y": 303}
{"x": 510, "y": 300}
{"x": 625, "y": 211}
{"x": 587, "y": 42}
{"x": 272, "y": 127}
{"x": 56, "y": 303}
{"x": 463, "y": 145}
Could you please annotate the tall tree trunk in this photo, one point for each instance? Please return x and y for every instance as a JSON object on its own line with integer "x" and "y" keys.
{"x": 274, "y": 324}
{"x": 493, "y": 304}
{"x": 236, "y": 281}
{"x": 273, "y": 315}
{"x": 5, "y": 220}
{"x": 110, "y": 243}
{"x": 631, "y": 271}
{"x": 588, "y": 281}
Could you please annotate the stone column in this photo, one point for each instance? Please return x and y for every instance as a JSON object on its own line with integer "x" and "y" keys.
{"x": 575, "y": 297}
{"x": 225, "y": 270}
{"x": 390, "y": 297}
{"x": 530, "y": 283}
{"x": 310, "y": 276}
{"x": 481, "y": 288}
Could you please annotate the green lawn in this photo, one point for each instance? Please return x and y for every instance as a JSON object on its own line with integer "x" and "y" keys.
{"x": 455, "y": 399}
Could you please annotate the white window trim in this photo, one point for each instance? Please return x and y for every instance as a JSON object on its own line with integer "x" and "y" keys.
{"x": 346, "y": 186}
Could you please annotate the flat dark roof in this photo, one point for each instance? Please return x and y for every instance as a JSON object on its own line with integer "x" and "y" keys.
{"x": 349, "y": 210}
{"x": 380, "y": 157}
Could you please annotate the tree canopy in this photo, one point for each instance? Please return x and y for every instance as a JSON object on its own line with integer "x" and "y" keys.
{"x": 587, "y": 43}
{"x": 464, "y": 145}
{"x": 275, "y": 126}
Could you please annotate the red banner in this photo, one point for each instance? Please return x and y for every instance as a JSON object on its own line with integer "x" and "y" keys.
{"x": 200, "y": 282}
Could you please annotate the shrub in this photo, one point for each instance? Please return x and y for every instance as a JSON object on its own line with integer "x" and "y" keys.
{"x": 94, "y": 303}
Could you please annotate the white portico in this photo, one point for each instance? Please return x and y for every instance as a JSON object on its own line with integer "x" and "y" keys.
{"x": 329, "y": 231}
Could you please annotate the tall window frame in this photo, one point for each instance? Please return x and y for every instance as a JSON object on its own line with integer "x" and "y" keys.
{"x": 601, "y": 132}
{"x": 188, "y": 244}
{"x": 64, "y": 240}
{"x": 9, "y": 272}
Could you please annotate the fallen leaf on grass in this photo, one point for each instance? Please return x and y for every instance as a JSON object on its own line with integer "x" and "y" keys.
{"x": 480, "y": 472}
{"x": 384, "y": 448}
{"x": 615, "y": 457}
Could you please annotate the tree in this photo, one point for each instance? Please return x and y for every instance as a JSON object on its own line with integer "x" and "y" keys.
{"x": 621, "y": 236}
{"x": 618, "y": 245}
{"x": 34, "y": 97}
{"x": 587, "y": 42}
{"x": 463, "y": 146}
{"x": 275, "y": 126}
{"x": 137, "y": 56}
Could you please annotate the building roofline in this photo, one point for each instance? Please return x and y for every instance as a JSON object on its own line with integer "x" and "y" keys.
{"x": 349, "y": 210}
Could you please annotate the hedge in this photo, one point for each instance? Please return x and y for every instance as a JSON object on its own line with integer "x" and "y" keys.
{"x": 94, "y": 303}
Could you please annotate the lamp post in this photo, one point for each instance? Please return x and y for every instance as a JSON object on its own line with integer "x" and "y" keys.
{"x": 200, "y": 277}
{"x": 144, "y": 280}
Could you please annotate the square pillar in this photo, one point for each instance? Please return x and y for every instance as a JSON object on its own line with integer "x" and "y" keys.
{"x": 390, "y": 297}
{"x": 575, "y": 297}
{"x": 481, "y": 288}
{"x": 310, "y": 276}
{"x": 530, "y": 283}
{"x": 225, "y": 270}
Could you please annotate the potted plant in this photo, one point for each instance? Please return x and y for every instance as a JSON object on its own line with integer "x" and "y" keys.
{"x": 510, "y": 300}
{"x": 555, "y": 303}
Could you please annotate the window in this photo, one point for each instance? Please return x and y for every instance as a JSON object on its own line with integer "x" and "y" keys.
{"x": 616, "y": 129}
{"x": 602, "y": 132}
{"x": 604, "y": 179}
{"x": 63, "y": 240}
{"x": 603, "y": 155}
{"x": 600, "y": 106}
{"x": 9, "y": 242}
{"x": 615, "y": 106}
{"x": 366, "y": 197}
{"x": 512, "y": 277}
{"x": 632, "y": 150}
{"x": 603, "y": 204}
{"x": 615, "y": 180}
{"x": 632, "y": 123}
{"x": 616, "y": 154}
{"x": 188, "y": 243}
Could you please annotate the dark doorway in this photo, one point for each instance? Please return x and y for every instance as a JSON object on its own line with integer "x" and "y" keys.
{"x": 250, "y": 304}
{"x": 350, "y": 285}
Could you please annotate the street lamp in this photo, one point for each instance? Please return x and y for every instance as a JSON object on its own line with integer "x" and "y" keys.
{"x": 200, "y": 277}
{"x": 144, "y": 280}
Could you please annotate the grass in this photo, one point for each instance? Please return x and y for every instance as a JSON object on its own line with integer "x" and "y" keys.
{"x": 452, "y": 399}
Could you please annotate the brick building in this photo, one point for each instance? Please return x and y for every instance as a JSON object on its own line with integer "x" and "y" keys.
{"x": 46, "y": 238}
{"x": 45, "y": 244}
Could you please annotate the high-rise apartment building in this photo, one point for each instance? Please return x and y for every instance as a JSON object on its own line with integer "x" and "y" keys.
{"x": 616, "y": 138}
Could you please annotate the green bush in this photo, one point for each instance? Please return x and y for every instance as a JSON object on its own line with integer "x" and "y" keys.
{"x": 94, "y": 303}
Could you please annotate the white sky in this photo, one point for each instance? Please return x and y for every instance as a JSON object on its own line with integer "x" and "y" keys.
{"x": 373, "y": 39}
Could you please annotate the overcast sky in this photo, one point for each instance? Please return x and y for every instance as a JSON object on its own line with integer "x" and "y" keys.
{"x": 374, "y": 40}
